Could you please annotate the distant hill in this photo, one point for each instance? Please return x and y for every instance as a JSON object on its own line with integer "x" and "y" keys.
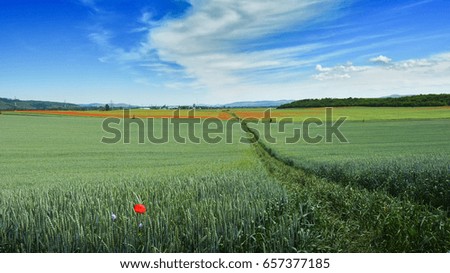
{"x": 263, "y": 103}
{"x": 13, "y": 104}
{"x": 92, "y": 105}
{"x": 398, "y": 101}
{"x": 396, "y": 96}
{"x": 115, "y": 105}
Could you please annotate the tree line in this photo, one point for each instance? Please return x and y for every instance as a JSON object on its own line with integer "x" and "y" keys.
{"x": 406, "y": 101}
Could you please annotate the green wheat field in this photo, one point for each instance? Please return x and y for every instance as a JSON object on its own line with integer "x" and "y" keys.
{"x": 386, "y": 190}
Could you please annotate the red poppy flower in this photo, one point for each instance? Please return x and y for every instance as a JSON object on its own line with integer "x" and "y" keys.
{"x": 139, "y": 208}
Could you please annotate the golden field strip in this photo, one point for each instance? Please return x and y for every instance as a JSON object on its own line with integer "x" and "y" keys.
{"x": 352, "y": 113}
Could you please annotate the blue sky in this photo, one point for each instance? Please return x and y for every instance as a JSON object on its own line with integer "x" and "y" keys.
{"x": 152, "y": 52}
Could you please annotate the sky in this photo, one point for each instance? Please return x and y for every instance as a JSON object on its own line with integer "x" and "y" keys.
{"x": 156, "y": 52}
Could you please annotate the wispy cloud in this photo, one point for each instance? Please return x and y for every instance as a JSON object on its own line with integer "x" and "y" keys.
{"x": 91, "y": 4}
{"x": 102, "y": 38}
{"x": 212, "y": 42}
{"x": 413, "y": 5}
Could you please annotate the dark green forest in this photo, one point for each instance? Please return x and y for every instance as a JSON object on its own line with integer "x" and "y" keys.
{"x": 14, "y": 104}
{"x": 407, "y": 101}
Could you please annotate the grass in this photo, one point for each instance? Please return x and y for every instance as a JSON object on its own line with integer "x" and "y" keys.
{"x": 210, "y": 213}
{"x": 404, "y": 158}
{"x": 60, "y": 186}
{"x": 348, "y": 219}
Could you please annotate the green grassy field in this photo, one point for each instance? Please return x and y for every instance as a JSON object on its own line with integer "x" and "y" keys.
{"x": 42, "y": 150}
{"x": 404, "y": 158}
{"x": 60, "y": 186}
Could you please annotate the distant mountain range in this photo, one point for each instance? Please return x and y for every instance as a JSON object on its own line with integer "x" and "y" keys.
{"x": 394, "y": 96}
{"x": 256, "y": 104}
{"x": 118, "y": 105}
{"x": 239, "y": 104}
{"x": 14, "y": 104}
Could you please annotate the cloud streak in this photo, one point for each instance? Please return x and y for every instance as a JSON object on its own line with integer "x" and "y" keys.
{"x": 214, "y": 42}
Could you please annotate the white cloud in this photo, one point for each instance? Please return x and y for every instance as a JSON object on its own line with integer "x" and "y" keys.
{"x": 209, "y": 41}
{"x": 381, "y": 59}
{"x": 320, "y": 68}
{"x": 408, "y": 64}
{"x": 337, "y": 72}
{"x": 221, "y": 21}
{"x": 403, "y": 77}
